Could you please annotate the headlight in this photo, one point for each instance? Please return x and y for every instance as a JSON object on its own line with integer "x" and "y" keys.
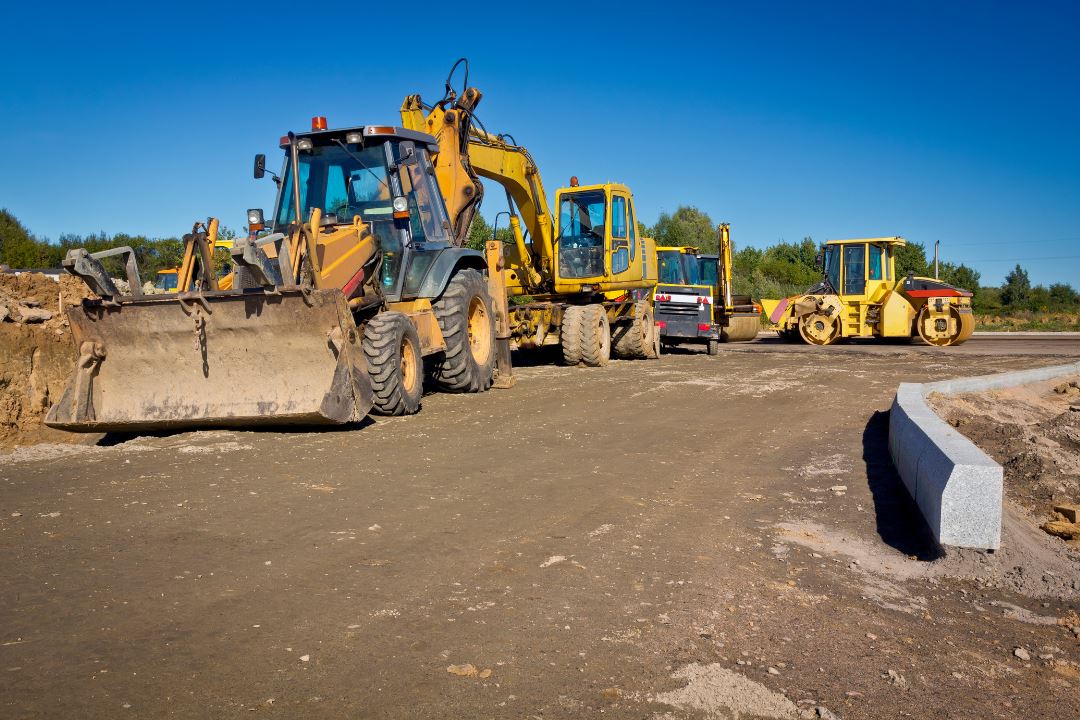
{"x": 401, "y": 205}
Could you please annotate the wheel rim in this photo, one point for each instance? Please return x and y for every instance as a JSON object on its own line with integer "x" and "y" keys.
{"x": 410, "y": 365}
{"x": 818, "y": 329}
{"x": 479, "y": 331}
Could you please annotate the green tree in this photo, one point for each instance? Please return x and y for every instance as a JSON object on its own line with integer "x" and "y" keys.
{"x": 911, "y": 258}
{"x": 686, "y": 226}
{"x": 481, "y": 231}
{"x": 1016, "y": 289}
{"x": 18, "y": 248}
{"x": 1063, "y": 297}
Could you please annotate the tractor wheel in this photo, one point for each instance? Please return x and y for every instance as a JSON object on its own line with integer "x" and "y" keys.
{"x": 468, "y": 327}
{"x": 964, "y": 324}
{"x": 713, "y": 348}
{"x": 819, "y": 329}
{"x": 636, "y": 339}
{"x": 392, "y": 349}
{"x": 595, "y": 337}
{"x": 570, "y": 334}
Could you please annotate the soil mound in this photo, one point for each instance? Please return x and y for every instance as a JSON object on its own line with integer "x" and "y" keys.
{"x": 36, "y": 353}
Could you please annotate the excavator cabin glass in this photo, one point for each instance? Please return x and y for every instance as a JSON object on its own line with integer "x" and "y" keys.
{"x": 581, "y": 234}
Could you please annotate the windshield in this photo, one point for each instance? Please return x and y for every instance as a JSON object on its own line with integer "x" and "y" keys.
{"x": 581, "y": 234}
{"x": 832, "y": 266}
{"x": 341, "y": 184}
{"x": 166, "y": 281}
{"x": 678, "y": 268}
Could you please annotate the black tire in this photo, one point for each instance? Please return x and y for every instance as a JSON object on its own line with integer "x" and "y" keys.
{"x": 713, "y": 348}
{"x": 570, "y": 334}
{"x": 636, "y": 338}
{"x": 392, "y": 350}
{"x": 595, "y": 337}
{"x": 467, "y": 322}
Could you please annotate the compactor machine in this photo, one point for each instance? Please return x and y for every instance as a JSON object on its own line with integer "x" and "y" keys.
{"x": 694, "y": 299}
{"x": 860, "y": 297}
{"x": 582, "y": 278}
{"x": 340, "y": 301}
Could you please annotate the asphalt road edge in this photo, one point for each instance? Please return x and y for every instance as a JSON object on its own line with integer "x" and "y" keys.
{"x": 957, "y": 486}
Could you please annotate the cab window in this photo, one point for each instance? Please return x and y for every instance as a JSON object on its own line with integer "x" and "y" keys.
{"x": 877, "y": 261}
{"x": 618, "y": 217}
{"x": 854, "y": 269}
{"x": 633, "y": 231}
{"x": 581, "y": 234}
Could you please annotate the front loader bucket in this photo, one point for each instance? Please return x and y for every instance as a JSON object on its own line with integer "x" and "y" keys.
{"x": 157, "y": 362}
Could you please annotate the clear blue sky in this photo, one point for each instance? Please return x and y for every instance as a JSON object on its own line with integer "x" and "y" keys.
{"x": 957, "y": 122}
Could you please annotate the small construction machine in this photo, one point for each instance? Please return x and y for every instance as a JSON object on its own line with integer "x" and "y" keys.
{"x": 339, "y": 304}
{"x": 694, "y": 299}
{"x": 584, "y": 283}
{"x": 861, "y": 297}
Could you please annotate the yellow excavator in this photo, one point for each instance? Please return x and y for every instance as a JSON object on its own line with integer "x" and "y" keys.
{"x": 860, "y": 296}
{"x": 340, "y": 303}
{"x": 585, "y": 283}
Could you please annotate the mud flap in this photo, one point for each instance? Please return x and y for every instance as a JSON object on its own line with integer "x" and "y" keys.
{"x": 284, "y": 357}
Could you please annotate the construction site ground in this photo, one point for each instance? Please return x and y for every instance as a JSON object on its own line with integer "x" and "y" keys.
{"x": 693, "y": 537}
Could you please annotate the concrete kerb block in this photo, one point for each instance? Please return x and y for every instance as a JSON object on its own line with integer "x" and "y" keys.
{"x": 957, "y": 486}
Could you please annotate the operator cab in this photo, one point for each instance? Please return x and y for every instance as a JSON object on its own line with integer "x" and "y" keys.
{"x": 597, "y": 233}
{"x": 861, "y": 268}
{"x": 377, "y": 176}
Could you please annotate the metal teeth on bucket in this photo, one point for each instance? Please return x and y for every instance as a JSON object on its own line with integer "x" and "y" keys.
{"x": 216, "y": 359}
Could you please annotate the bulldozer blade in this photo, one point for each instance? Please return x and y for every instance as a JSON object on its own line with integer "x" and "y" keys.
{"x": 741, "y": 327}
{"x": 215, "y": 359}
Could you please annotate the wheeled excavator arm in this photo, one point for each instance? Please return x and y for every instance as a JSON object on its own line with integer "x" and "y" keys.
{"x": 466, "y": 154}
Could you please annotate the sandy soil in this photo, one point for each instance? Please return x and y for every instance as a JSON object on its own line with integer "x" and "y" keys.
{"x": 35, "y": 357}
{"x": 693, "y": 537}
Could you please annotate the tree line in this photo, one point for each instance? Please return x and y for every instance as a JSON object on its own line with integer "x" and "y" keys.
{"x": 784, "y": 269}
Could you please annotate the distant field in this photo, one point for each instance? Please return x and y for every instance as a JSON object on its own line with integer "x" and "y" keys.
{"x": 1028, "y": 321}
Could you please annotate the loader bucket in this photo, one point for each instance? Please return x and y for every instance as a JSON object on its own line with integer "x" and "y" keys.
{"x": 165, "y": 362}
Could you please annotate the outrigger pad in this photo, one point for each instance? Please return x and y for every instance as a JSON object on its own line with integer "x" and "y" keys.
{"x": 288, "y": 357}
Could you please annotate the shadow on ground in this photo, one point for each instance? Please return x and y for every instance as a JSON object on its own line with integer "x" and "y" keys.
{"x": 899, "y": 522}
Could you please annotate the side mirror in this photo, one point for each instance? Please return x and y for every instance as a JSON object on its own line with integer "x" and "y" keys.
{"x": 819, "y": 262}
{"x": 260, "y": 166}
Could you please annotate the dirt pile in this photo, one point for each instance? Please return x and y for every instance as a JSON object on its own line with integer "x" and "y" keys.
{"x": 36, "y": 353}
{"x": 1032, "y": 431}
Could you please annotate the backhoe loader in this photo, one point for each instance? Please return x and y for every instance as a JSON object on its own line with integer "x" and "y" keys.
{"x": 694, "y": 300}
{"x": 860, "y": 296}
{"x": 584, "y": 284}
{"x": 336, "y": 308}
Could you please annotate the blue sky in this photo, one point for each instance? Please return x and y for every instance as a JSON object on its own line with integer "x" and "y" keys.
{"x": 957, "y": 122}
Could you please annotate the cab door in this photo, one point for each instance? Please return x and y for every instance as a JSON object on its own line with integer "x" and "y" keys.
{"x": 620, "y": 247}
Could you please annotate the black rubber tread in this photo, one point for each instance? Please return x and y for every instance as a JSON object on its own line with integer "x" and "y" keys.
{"x": 383, "y": 337}
{"x": 713, "y": 347}
{"x": 456, "y": 369}
{"x": 570, "y": 334}
{"x": 593, "y": 328}
{"x": 636, "y": 341}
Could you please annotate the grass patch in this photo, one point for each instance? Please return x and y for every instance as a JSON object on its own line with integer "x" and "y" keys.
{"x": 1013, "y": 322}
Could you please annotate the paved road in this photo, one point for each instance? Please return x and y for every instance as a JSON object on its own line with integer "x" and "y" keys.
{"x": 646, "y": 539}
{"x": 1020, "y": 343}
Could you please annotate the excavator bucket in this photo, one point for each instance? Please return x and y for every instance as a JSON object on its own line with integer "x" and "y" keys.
{"x": 286, "y": 356}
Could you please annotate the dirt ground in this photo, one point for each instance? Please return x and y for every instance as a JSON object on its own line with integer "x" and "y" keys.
{"x": 36, "y": 353}
{"x": 691, "y": 537}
